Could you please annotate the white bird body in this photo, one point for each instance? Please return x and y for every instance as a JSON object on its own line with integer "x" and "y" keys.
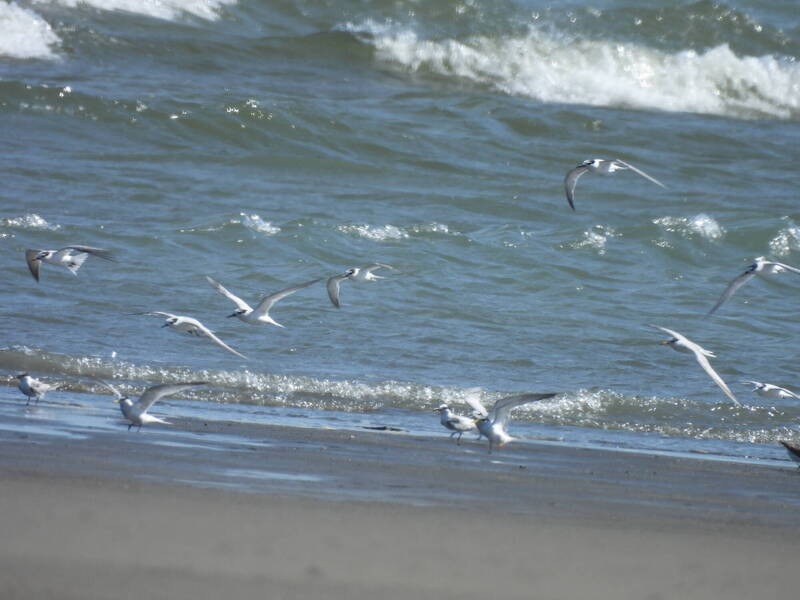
{"x": 136, "y": 412}
{"x": 33, "y": 388}
{"x": 681, "y": 343}
{"x": 359, "y": 274}
{"x": 260, "y": 314}
{"x": 69, "y": 257}
{"x": 492, "y": 424}
{"x": 191, "y": 326}
{"x": 602, "y": 167}
{"x": 458, "y": 424}
{"x": 761, "y": 266}
{"x": 767, "y": 390}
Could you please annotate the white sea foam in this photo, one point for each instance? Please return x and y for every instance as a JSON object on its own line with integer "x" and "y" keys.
{"x": 378, "y": 233}
{"x": 30, "y": 221}
{"x": 699, "y": 225}
{"x": 25, "y": 34}
{"x": 160, "y": 9}
{"x": 256, "y": 223}
{"x": 557, "y": 68}
{"x": 787, "y": 239}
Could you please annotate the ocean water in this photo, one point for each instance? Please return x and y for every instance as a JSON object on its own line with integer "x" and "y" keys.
{"x": 269, "y": 143}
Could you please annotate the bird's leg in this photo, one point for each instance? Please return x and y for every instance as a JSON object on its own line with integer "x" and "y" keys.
{"x": 129, "y": 426}
{"x": 458, "y": 440}
{"x": 140, "y": 428}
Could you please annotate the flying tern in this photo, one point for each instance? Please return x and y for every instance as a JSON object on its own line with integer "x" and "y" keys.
{"x": 602, "y": 166}
{"x": 458, "y": 424}
{"x": 33, "y": 388}
{"x": 136, "y": 412}
{"x": 767, "y": 390}
{"x": 681, "y": 343}
{"x": 761, "y": 266}
{"x": 69, "y": 257}
{"x": 260, "y": 314}
{"x": 493, "y": 423}
{"x": 359, "y": 274}
{"x": 191, "y": 326}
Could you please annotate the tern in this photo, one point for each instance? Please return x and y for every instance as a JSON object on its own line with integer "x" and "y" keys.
{"x": 681, "y": 343}
{"x": 793, "y": 451}
{"x": 493, "y": 423}
{"x": 761, "y": 266}
{"x": 359, "y": 274}
{"x": 136, "y": 412}
{"x": 191, "y": 326}
{"x": 260, "y": 314}
{"x": 458, "y": 424}
{"x": 767, "y": 390}
{"x": 69, "y": 257}
{"x": 602, "y": 166}
{"x": 33, "y": 388}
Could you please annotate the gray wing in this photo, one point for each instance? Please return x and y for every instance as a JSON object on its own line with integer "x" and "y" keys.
{"x": 787, "y": 267}
{"x": 210, "y": 335}
{"x": 731, "y": 289}
{"x": 473, "y": 398}
{"x": 640, "y": 172}
{"x": 240, "y": 304}
{"x": 111, "y": 387}
{"x": 33, "y": 264}
{"x": 569, "y": 183}
{"x": 267, "y": 302}
{"x": 156, "y": 313}
{"x": 717, "y": 379}
{"x": 503, "y": 407}
{"x": 152, "y": 394}
{"x": 333, "y": 288}
{"x": 98, "y": 252}
{"x": 372, "y": 266}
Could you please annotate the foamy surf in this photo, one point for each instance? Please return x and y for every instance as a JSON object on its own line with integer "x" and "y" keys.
{"x": 558, "y": 68}
{"x": 25, "y": 35}
{"x": 160, "y": 9}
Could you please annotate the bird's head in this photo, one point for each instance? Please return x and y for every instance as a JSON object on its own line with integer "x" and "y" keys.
{"x": 170, "y": 321}
{"x": 669, "y": 342}
{"x": 350, "y": 272}
{"x": 237, "y": 313}
{"x": 441, "y": 408}
{"x": 21, "y": 375}
{"x": 43, "y": 254}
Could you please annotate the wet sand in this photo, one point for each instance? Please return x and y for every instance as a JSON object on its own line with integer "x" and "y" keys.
{"x": 225, "y": 510}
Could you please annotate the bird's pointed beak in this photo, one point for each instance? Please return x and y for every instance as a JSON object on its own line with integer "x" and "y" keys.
{"x": 231, "y": 315}
{"x": 664, "y": 343}
{"x": 165, "y": 325}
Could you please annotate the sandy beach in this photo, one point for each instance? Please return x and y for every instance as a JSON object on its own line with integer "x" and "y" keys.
{"x": 220, "y": 509}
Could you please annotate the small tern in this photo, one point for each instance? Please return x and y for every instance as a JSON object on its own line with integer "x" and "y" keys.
{"x": 681, "y": 343}
{"x": 260, "y": 314}
{"x": 793, "y": 451}
{"x": 458, "y": 424}
{"x": 602, "y": 166}
{"x": 69, "y": 257}
{"x": 761, "y": 266}
{"x": 359, "y": 274}
{"x": 191, "y": 326}
{"x": 33, "y": 388}
{"x": 136, "y": 412}
{"x": 767, "y": 390}
{"x": 492, "y": 424}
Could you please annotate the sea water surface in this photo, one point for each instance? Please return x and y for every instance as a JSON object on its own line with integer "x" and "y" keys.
{"x": 269, "y": 143}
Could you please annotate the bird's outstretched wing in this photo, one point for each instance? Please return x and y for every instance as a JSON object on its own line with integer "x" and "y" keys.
{"x": 503, "y": 407}
{"x": 640, "y": 172}
{"x": 156, "y": 392}
{"x": 210, "y": 334}
{"x": 473, "y": 398}
{"x": 570, "y": 181}
{"x": 98, "y": 252}
{"x": 267, "y": 302}
{"x": 333, "y": 288}
{"x": 787, "y": 267}
{"x": 114, "y": 390}
{"x": 733, "y": 286}
{"x": 715, "y": 377}
{"x": 240, "y": 304}
{"x": 33, "y": 264}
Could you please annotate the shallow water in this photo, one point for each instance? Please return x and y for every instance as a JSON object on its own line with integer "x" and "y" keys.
{"x": 265, "y": 144}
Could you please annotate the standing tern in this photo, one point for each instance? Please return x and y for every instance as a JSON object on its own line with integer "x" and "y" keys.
{"x": 602, "y": 166}
{"x": 136, "y": 412}
{"x": 69, "y": 257}
{"x": 359, "y": 274}
{"x": 793, "y": 451}
{"x": 260, "y": 314}
{"x": 681, "y": 343}
{"x": 493, "y": 423}
{"x": 761, "y": 266}
{"x": 191, "y": 326}
{"x": 33, "y": 388}
{"x": 767, "y": 390}
{"x": 458, "y": 424}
